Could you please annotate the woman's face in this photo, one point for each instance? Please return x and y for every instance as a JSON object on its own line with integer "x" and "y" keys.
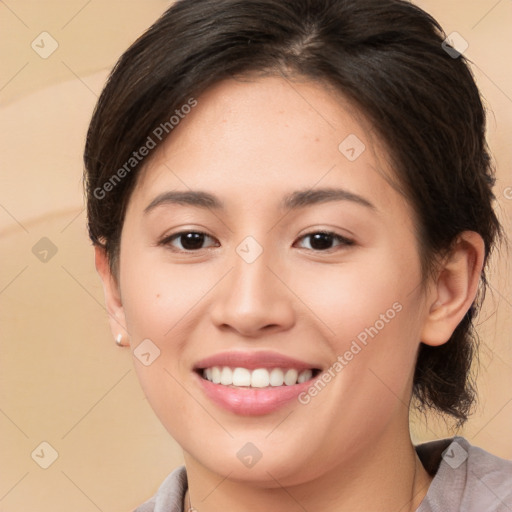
{"x": 277, "y": 164}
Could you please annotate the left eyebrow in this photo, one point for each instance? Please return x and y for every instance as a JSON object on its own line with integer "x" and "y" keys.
{"x": 292, "y": 201}
{"x": 307, "y": 197}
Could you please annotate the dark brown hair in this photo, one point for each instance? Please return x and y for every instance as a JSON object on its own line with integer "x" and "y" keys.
{"x": 387, "y": 57}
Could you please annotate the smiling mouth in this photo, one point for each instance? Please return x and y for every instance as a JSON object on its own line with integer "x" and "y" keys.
{"x": 239, "y": 377}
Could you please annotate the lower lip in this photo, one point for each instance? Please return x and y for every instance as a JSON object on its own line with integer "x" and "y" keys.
{"x": 252, "y": 401}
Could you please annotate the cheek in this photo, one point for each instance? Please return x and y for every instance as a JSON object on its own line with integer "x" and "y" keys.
{"x": 159, "y": 298}
{"x": 360, "y": 293}
{"x": 168, "y": 398}
{"x": 159, "y": 306}
{"x": 370, "y": 311}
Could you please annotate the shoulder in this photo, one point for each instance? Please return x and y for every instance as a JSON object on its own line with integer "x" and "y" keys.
{"x": 170, "y": 494}
{"x": 467, "y": 478}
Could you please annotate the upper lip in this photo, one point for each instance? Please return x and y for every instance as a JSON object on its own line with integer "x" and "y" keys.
{"x": 252, "y": 360}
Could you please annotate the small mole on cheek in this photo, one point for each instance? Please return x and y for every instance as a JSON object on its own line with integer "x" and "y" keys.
{"x": 157, "y": 295}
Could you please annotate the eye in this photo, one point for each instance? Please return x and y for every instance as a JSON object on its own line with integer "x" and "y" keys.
{"x": 323, "y": 240}
{"x": 188, "y": 240}
{"x": 192, "y": 241}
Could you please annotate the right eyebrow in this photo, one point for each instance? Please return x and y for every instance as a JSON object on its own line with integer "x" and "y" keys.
{"x": 192, "y": 198}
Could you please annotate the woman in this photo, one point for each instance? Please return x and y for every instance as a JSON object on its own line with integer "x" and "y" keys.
{"x": 291, "y": 207}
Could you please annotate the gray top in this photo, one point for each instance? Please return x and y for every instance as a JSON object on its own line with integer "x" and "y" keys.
{"x": 467, "y": 479}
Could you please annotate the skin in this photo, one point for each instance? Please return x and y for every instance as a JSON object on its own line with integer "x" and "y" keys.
{"x": 250, "y": 143}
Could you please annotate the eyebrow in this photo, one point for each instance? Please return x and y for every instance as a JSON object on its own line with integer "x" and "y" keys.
{"x": 292, "y": 201}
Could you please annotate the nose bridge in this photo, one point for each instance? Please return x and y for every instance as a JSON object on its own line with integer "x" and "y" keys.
{"x": 252, "y": 297}
{"x": 251, "y": 280}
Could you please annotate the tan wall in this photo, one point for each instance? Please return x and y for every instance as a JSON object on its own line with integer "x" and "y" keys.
{"x": 62, "y": 379}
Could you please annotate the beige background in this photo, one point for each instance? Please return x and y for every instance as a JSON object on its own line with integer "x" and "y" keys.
{"x": 62, "y": 379}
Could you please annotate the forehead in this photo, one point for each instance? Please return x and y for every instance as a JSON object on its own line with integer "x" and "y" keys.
{"x": 257, "y": 113}
{"x": 256, "y": 134}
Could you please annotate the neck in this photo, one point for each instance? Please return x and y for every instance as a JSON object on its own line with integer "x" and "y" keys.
{"x": 386, "y": 476}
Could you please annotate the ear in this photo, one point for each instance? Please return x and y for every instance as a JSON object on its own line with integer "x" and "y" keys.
{"x": 113, "y": 301}
{"x": 455, "y": 289}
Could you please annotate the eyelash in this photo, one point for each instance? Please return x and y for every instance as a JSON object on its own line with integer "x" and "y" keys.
{"x": 344, "y": 242}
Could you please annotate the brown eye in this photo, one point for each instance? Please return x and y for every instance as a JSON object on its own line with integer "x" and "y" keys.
{"x": 188, "y": 240}
{"x": 323, "y": 240}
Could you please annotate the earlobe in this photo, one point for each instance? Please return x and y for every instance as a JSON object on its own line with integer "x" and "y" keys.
{"x": 455, "y": 288}
{"x": 113, "y": 301}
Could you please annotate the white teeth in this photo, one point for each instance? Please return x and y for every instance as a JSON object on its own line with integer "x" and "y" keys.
{"x": 258, "y": 378}
{"x": 216, "y": 375}
{"x": 276, "y": 377}
{"x": 226, "y": 376}
{"x": 241, "y": 377}
{"x": 304, "y": 376}
{"x": 290, "y": 377}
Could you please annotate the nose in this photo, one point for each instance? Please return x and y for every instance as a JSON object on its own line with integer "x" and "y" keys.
{"x": 253, "y": 299}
